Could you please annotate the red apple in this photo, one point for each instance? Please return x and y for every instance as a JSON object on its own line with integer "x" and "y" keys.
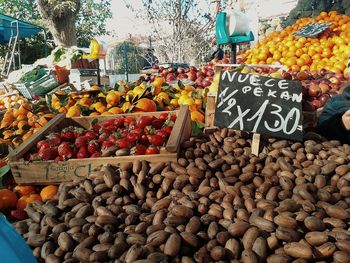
{"x": 206, "y": 83}
{"x": 287, "y": 76}
{"x": 324, "y": 88}
{"x": 161, "y": 68}
{"x": 324, "y": 98}
{"x": 317, "y": 104}
{"x": 192, "y": 76}
{"x": 181, "y": 70}
{"x": 155, "y": 67}
{"x": 334, "y": 80}
{"x": 171, "y": 70}
{"x": 210, "y": 73}
{"x": 314, "y": 90}
{"x": 170, "y": 77}
{"x": 193, "y": 68}
{"x": 182, "y": 76}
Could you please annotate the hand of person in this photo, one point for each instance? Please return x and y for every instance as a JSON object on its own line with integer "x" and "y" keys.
{"x": 346, "y": 120}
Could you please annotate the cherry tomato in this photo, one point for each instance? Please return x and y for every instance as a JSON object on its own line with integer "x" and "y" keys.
{"x": 144, "y": 140}
{"x": 123, "y": 144}
{"x": 108, "y": 123}
{"x": 129, "y": 120}
{"x": 111, "y": 128}
{"x": 152, "y": 150}
{"x": 41, "y": 144}
{"x": 107, "y": 144}
{"x": 162, "y": 133}
{"x": 119, "y": 122}
{"x": 96, "y": 128}
{"x": 132, "y": 137}
{"x": 112, "y": 138}
{"x": 167, "y": 129}
{"x": 139, "y": 149}
{"x": 163, "y": 116}
{"x": 145, "y": 121}
{"x": 173, "y": 118}
{"x": 157, "y": 123}
{"x": 156, "y": 140}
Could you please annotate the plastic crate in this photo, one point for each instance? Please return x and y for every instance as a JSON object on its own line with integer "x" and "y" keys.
{"x": 38, "y": 88}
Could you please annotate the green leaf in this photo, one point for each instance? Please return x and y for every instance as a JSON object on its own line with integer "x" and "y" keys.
{"x": 159, "y": 107}
{"x": 196, "y": 130}
{"x": 166, "y": 103}
{"x": 171, "y": 95}
{"x": 180, "y": 84}
{"x": 94, "y": 121}
{"x": 121, "y": 88}
{"x": 200, "y": 124}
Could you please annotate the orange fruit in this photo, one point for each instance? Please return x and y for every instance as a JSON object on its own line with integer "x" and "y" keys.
{"x": 197, "y": 116}
{"x": 22, "y": 190}
{"x": 145, "y": 105}
{"x": 94, "y": 114}
{"x": 126, "y": 106}
{"x": 73, "y": 111}
{"x": 112, "y": 98}
{"x": 33, "y": 197}
{"x": 8, "y": 199}
{"x": 164, "y": 96}
{"x": 115, "y": 110}
{"x": 48, "y": 192}
{"x": 22, "y": 202}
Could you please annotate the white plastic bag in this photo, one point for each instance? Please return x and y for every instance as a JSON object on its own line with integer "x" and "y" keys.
{"x": 237, "y": 23}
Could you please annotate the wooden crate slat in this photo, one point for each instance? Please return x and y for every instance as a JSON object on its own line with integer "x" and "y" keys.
{"x": 31, "y": 142}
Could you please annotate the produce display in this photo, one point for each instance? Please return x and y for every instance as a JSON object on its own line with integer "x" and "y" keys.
{"x": 122, "y": 136}
{"x": 14, "y": 200}
{"x": 217, "y": 203}
{"x": 131, "y": 97}
{"x": 330, "y": 50}
{"x": 22, "y": 119}
{"x": 290, "y": 203}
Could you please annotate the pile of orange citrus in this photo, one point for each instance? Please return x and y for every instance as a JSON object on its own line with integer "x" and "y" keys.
{"x": 330, "y": 50}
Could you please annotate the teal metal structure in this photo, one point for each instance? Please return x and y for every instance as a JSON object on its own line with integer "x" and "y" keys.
{"x": 7, "y": 28}
{"x": 223, "y": 38}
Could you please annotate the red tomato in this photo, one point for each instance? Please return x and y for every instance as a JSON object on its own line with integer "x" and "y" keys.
{"x": 108, "y": 123}
{"x": 144, "y": 140}
{"x": 145, "y": 121}
{"x": 157, "y": 123}
{"x": 163, "y": 116}
{"x": 119, "y": 122}
{"x": 129, "y": 120}
{"x": 139, "y": 149}
{"x": 132, "y": 137}
{"x": 42, "y": 143}
{"x": 123, "y": 144}
{"x": 167, "y": 129}
{"x": 152, "y": 150}
{"x": 156, "y": 140}
{"x": 173, "y": 118}
{"x": 162, "y": 133}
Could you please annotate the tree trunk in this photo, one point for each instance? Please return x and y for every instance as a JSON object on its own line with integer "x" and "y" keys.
{"x": 64, "y": 31}
{"x": 60, "y": 17}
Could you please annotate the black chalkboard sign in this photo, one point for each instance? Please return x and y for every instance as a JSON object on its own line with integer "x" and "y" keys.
{"x": 312, "y": 29}
{"x": 260, "y": 104}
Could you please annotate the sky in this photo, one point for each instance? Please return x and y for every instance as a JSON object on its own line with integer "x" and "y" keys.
{"x": 124, "y": 22}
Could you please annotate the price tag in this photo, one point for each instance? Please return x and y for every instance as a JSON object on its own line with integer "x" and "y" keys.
{"x": 260, "y": 104}
{"x": 312, "y": 29}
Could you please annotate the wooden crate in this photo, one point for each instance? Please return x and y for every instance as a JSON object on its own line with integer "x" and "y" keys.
{"x": 49, "y": 172}
{"x": 309, "y": 122}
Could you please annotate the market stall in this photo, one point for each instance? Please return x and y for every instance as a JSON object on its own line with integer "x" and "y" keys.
{"x": 219, "y": 163}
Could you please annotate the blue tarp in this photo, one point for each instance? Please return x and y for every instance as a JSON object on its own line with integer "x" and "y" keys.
{"x": 25, "y": 29}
